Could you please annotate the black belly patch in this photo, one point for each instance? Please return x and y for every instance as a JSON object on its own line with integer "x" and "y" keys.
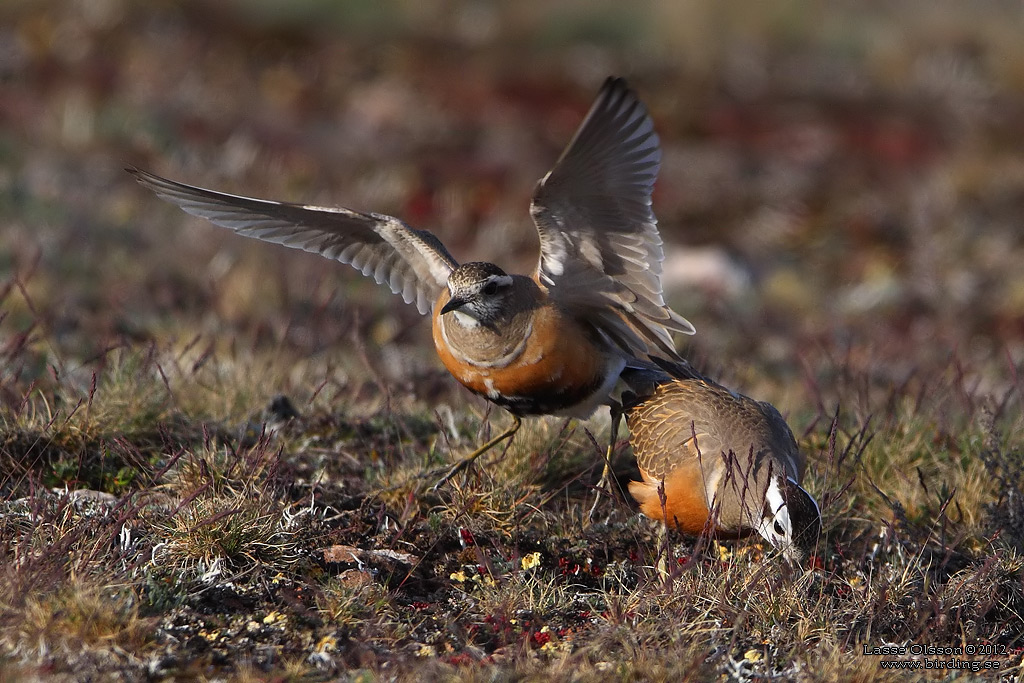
{"x": 544, "y": 404}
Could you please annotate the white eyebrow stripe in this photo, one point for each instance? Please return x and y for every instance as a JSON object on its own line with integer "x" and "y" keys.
{"x": 774, "y": 495}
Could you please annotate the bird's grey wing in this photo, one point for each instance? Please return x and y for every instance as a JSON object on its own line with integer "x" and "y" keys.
{"x": 411, "y": 262}
{"x": 674, "y": 427}
{"x": 600, "y": 246}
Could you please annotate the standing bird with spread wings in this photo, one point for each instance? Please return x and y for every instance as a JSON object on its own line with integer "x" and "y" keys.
{"x": 550, "y": 343}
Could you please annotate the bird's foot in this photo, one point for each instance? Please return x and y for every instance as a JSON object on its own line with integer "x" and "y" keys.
{"x": 471, "y": 458}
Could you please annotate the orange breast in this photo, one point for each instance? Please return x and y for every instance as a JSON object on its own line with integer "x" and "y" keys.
{"x": 685, "y": 505}
{"x": 685, "y": 508}
{"x": 558, "y": 368}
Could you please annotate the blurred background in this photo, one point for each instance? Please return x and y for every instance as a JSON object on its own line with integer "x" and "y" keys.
{"x": 842, "y": 184}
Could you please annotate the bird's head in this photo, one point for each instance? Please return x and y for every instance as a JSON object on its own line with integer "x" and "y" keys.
{"x": 477, "y": 293}
{"x": 791, "y": 520}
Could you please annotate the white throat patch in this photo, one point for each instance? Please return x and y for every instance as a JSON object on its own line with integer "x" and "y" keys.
{"x": 465, "y": 319}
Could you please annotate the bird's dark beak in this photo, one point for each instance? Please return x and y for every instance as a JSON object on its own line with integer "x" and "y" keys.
{"x": 453, "y": 305}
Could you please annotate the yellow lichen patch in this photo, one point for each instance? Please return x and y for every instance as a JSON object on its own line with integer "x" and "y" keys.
{"x": 530, "y": 561}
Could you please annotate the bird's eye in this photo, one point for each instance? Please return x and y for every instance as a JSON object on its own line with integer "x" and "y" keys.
{"x": 491, "y": 288}
{"x": 778, "y": 529}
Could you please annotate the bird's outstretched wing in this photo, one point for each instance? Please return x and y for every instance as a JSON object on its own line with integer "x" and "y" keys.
{"x": 411, "y": 262}
{"x": 600, "y": 247}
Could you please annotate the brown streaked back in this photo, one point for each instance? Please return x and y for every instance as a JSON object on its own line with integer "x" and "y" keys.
{"x": 722, "y": 420}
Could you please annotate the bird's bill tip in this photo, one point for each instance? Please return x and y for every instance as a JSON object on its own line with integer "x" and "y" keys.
{"x": 453, "y": 305}
{"x": 803, "y": 549}
{"x": 794, "y": 554}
